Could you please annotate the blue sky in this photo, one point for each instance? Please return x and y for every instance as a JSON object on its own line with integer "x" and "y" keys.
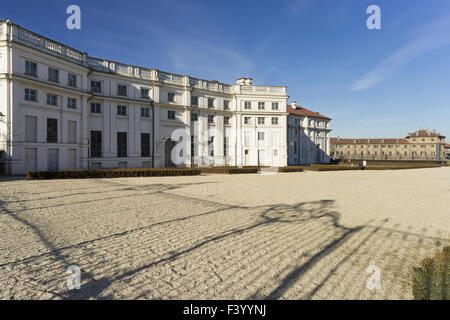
{"x": 372, "y": 83}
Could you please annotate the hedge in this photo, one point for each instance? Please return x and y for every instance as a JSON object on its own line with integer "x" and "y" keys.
{"x": 229, "y": 170}
{"x": 431, "y": 279}
{"x": 291, "y": 169}
{"x": 113, "y": 173}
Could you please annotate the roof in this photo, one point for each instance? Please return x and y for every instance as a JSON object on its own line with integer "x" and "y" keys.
{"x": 425, "y": 133}
{"x": 447, "y": 146}
{"x": 301, "y": 111}
{"x": 336, "y": 140}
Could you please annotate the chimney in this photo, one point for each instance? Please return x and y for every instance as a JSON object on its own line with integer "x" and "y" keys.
{"x": 294, "y": 104}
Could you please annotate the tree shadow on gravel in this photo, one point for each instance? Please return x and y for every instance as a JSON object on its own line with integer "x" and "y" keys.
{"x": 314, "y": 224}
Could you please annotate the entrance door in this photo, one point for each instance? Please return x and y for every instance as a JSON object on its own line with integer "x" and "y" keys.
{"x": 168, "y": 163}
{"x": 261, "y": 158}
{"x": 30, "y": 159}
{"x": 52, "y": 160}
{"x": 72, "y": 159}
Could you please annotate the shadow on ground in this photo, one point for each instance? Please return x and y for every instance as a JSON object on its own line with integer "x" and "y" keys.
{"x": 297, "y": 251}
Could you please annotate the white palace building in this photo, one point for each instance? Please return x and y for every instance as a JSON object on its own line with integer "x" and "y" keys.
{"x": 61, "y": 109}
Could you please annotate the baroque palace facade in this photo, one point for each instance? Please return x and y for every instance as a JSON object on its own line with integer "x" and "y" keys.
{"x": 308, "y": 136}
{"x": 424, "y": 145}
{"x": 62, "y": 110}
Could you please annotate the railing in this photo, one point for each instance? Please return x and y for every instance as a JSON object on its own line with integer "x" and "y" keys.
{"x": 38, "y": 42}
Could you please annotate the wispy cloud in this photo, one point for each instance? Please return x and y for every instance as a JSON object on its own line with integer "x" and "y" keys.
{"x": 434, "y": 36}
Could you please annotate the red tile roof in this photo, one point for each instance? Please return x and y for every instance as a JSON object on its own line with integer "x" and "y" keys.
{"x": 301, "y": 111}
{"x": 336, "y": 140}
{"x": 447, "y": 145}
{"x": 425, "y": 133}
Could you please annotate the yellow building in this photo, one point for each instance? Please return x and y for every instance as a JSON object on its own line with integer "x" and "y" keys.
{"x": 425, "y": 145}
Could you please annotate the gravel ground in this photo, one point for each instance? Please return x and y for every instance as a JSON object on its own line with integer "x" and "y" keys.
{"x": 309, "y": 235}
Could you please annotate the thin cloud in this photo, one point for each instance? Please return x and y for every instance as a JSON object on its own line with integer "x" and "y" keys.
{"x": 434, "y": 36}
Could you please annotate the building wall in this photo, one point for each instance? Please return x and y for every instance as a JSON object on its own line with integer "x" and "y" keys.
{"x": 308, "y": 140}
{"x": 166, "y": 133}
{"x": 416, "y": 148}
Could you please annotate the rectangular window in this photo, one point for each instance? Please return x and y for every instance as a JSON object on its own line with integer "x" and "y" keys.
{"x": 52, "y": 99}
{"x": 247, "y": 105}
{"x": 171, "y": 115}
{"x": 226, "y": 104}
{"x": 96, "y": 108}
{"x": 31, "y": 95}
{"x": 194, "y": 101}
{"x": 260, "y": 136}
{"x": 171, "y": 97}
{"x": 121, "y": 110}
{"x": 121, "y": 90}
{"x": 261, "y": 105}
{"x": 145, "y": 112}
{"x": 96, "y": 86}
{"x": 52, "y": 130}
{"x": 53, "y": 75}
{"x": 145, "y": 93}
{"x": 194, "y": 117}
{"x": 274, "y": 105}
{"x": 225, "y": 146}
{"x": 226, "y": 120}
{"x": 96, "y": 144}
{"x": 145, "y": 144}
{"x": 247, "y": 120}
{"x": 210, "y": 118}
{"x": 274, "y": 120}
{"x": 71, "y": 132}
{"x": 211, "y": 102}
{"x": 72, "y": 103}
{"x": 122, "y": 144}
{"x": 31, "y": 68}
{"x": 261, "y": 120}
{"x": 211, "y": 146}
{"x": 30, "y": 129}
{"x": 72, "y": 80}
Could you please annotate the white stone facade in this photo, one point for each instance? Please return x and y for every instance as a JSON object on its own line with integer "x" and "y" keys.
{"x": 65, "y": 110}
{"x": 309, "y": 136}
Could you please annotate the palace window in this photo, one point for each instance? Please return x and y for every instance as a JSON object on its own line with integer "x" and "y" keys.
{"x": 52, "y": 99}
{"x": 122, "y": 144}
{"x": 145, "y": 112}
{"x": 247, "y": 105}
{"x": 96, "y": 108}
{"x": 261, "y": 105}
{"x": 72, "y": 103}
{"x": 121, "y": 110}
{"x": 145, "y": 144}
{"x": 145, "y": 93}
{"x": 72, "y": 80}
{"x": 31, "y": 95}
{"x": 121, "y": 90}
{"x": 96, "y": 144}
{"x": 53, "y": 75}
{"x": 31, "y": 68}
{"x": 96, "y": 86}
{"x": 274, "y": 105}
{"x": 171, "y": 115}
{"x": 274, "y": 120}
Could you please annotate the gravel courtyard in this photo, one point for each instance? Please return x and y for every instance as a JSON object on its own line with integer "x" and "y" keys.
{"x": 309, "y": 235}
